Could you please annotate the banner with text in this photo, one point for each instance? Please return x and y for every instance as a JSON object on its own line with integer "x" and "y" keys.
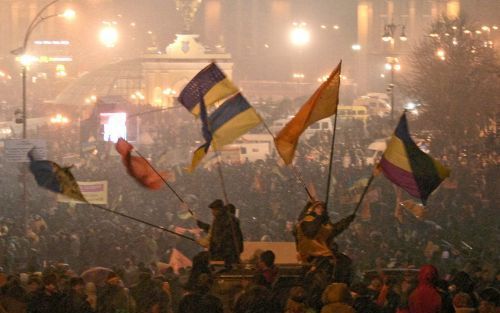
{"x": 96, "y": 192}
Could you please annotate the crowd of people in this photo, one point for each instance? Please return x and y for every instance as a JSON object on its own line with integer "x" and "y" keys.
{"x": 455, "y": 232}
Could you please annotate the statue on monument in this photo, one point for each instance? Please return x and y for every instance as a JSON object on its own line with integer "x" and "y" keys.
{"x": 187, "y": 9}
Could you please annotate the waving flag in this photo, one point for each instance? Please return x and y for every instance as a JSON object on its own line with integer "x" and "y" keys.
{"x": 210, "y": 84}
{"x": 323, "y": 103}
{"x": 232, "y": 119}
{"x": 235, "y": 117}
{"x": 51, "y": 176}
{"x": 138, "y": 167}
{"x": 404, "y": 164}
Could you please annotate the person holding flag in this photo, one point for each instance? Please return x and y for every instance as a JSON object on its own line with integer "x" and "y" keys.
{"x": 225, "y": 239}
{"x": 314, "y": 235}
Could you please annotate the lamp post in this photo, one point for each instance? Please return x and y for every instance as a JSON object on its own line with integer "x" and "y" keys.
{"x": 300, "y": 36}
{"x": 26, "y": 60}
{"x": 393, "y": 66}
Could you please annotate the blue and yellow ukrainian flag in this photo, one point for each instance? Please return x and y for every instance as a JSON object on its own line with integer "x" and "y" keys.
{"x": 232, "y": 119}
{"x": 404, "y": 164}
{"x": 51, "y": 176}
{"x": 210, "y": 84}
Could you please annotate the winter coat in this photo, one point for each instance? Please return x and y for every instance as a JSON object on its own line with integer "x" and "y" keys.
{"x": 12, "y": 305}
{"x": 75, "y": 303}
{"x": 45, "y": 303}
{"x": 226, "y": 238}
{"x": 113, "y": 299}
{"x": 336, "y": 298}
{"x": 425, "y": 298}
{"x": 314, "y": 234}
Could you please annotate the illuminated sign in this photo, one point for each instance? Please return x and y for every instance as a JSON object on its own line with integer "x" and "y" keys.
{"x": 114, "y": 126}
{"x": 52, "y": 42}
{"x": 47, "y": 59}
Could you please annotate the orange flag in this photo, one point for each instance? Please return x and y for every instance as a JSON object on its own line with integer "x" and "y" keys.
{"x": 139, "y": 168}
{"x": 323, "y": 103}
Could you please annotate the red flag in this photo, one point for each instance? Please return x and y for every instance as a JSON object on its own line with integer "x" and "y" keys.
{"x": 179, "y": 260}
{"x": 138, "y": 167}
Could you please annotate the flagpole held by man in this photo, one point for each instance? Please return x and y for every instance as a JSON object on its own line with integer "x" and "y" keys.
{"x": 225, "y": 239}
{"x": 408, "y": 167}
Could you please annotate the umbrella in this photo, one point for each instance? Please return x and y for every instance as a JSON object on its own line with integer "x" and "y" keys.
{"x": 96, "y": 275}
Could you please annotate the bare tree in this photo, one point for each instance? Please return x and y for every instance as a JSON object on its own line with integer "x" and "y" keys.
{"x": 455, "y": 75}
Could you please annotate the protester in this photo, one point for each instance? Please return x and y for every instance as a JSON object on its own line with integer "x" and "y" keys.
{"x": 76, "y": 300}
{"x": 337, "y": 299}
{"x": 225, "y": 238}
{"x": 113, "y": 297}
{"x": 48, "y": 299}
{"x": 267, "y": 271}
{"x": 490, "y": 301}
{"x": 425, "y": 298}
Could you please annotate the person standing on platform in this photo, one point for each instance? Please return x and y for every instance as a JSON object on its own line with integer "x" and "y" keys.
{"x": 225, "y": 239}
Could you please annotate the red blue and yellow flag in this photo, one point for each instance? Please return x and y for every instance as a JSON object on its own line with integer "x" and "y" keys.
{"x": 404, "y": 164}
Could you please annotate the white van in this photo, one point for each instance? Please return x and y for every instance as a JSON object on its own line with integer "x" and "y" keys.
{"x": 376, "y": 103}
{"x": 375, "y": 151}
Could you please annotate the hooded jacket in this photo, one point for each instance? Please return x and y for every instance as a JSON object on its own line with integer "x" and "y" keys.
{"x": 425, "y": 298}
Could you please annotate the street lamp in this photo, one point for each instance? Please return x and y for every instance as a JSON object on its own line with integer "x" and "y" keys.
{"x": 393, "y": 66}
{"x": 59, "y": 119}
{"x": 108, "y": 35}
{"x": 300, "y": 35}
{"x": 25, "y": 59}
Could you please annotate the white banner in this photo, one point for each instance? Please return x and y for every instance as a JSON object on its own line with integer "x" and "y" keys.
{"x": 96, "y": 192}
{"x": 16, "y": 150}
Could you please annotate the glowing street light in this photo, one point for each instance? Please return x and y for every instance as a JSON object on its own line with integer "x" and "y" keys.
{"x": 393, "y": 66}
{"x": 59, "y": 119}
{"x": 299, "y": 35}
{"x": 356, "y": 47}
{"x": 108, "y": 36}
{"x": 169, "y": 92}
{"x": 26, "y": 60}
{"x": 68, "y": 14}
{"x": 441, "y": 54}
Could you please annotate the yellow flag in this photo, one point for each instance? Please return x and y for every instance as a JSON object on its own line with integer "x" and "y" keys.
{"x": 323, "y": 103}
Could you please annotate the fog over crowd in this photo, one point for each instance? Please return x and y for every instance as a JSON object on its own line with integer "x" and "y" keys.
{"x": 53, "y": 243}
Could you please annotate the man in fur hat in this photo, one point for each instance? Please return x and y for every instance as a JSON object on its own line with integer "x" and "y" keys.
{"x": 225, "y": 240}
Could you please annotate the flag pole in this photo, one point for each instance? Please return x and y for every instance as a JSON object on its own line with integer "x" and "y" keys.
{"x": 164, "y": 180}
{"x": 140, "y": 221}
{"x": 294, "y": 169}
{"x": 364, "y": 193}
{"x": 330, "y": 168}
{"x": 221, "y": 176}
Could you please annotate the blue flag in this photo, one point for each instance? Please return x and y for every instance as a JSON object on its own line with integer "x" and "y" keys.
{"x": 209, "y": 85}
